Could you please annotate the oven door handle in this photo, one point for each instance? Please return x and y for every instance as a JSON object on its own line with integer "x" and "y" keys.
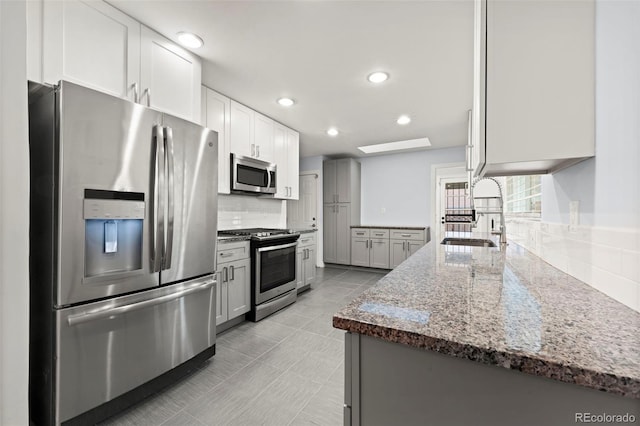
{"x": 271, "y": 248}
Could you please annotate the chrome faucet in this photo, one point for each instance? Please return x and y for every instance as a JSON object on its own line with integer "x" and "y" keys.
{"x": 474, "y": 222}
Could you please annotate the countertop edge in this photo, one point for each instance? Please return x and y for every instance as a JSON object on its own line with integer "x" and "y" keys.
{"x": 617, "y": 385}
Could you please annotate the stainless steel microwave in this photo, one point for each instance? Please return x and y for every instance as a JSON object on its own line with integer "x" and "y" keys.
{"x": 249, "y": 175}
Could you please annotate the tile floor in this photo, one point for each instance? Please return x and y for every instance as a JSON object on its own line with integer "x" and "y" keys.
{"x": 284, "y": 370}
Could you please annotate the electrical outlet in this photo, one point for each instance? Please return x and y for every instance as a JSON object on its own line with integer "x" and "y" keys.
{"x": 574, "y": 213}
{"x": 383, "y": 210}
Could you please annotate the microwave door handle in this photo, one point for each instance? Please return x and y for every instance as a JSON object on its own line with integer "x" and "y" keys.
{"x": 157, "y": 200}
{"x": 169, "y": 155}
{"x": 268, "y": 178}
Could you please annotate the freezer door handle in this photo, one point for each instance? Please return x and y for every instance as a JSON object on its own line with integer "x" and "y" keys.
{"x": 157, "y": 200}
{"x": 168, "y": 254}
{"x": 110, "y": 312}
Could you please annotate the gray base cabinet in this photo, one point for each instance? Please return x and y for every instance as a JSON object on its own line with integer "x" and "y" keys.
{"x": 370, "y": 247}
{"x": 306, "y": 262}
{"x": 394, "y": 384}
{"x": 233, "y": 292}
{"x": 404, "y": 243}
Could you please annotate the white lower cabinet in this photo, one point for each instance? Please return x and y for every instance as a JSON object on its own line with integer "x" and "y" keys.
{"x": 233, "y": 293}
{"x": 306, "y": 261}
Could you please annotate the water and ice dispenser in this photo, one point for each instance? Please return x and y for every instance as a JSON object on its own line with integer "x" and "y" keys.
{"x": 113, "y": 232}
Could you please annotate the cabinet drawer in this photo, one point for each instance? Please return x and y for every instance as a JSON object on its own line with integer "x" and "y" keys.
{"x": 408, "y": 234}
{"x": 306, "y": 240}
{"x": 360, "y": 232}
{"x": 228, "y": 252}
{"x": 379, "y": 233}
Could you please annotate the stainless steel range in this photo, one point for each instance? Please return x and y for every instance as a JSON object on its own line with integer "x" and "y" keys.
{"x": 273, "y": 261}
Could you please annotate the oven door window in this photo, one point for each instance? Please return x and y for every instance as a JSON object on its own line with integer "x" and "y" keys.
{"x": 277, "y": 267}
{"x": 251, "y": 176}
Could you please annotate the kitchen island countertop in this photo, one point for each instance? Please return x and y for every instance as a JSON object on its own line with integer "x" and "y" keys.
{"x": 505, "y": 308}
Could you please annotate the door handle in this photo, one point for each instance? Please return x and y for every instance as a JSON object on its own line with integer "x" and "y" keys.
{"x": 257, "y": 151}
{"x": 253, "y": 150}
{"x": 168, "y": 135}
{"x": 233, "y": 272}
{"x": 157, "y": 200}
{"x": 226, "y": 275}
{"x": 403, "y": 244}
{"x": 109, "y": 312}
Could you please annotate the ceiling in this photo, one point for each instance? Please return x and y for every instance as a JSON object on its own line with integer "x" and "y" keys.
{"x": 320, "y": 53}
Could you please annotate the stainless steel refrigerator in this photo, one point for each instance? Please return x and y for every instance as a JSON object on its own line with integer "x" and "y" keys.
{"x": 123, "y": 237}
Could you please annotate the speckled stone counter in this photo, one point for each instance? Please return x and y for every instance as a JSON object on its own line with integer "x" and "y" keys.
{"x": 504, "y": 308}
{"x": 231, "y": 238}
{"x": 304, "y": 230}
{"x": 412, "y": 228}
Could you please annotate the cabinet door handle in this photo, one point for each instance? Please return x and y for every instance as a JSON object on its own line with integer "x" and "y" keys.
{"x": 226, "y": 254}
{"x": 406, "y": 235}
{"x": 403, "y": 244}
{"x": 370, "y": 244}
{"x": 136, "y": 98}
{"x": 148, "y": 93}
{"x": 233, "y": 274}
{"x": 226, "y": 275}
{"x": 380, "y": 235}
{"x": 258, "y": 151}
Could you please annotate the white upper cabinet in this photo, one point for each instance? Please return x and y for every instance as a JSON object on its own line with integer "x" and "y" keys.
{"x": 539, "y": 59}
{"x": 241, "y": 133}
{"x": 92, "y": 44}
{"x": 216, "y": 116}
{"x": 263, "y": 137}
{"x": 169, "y": 76}
{"x": 286, "y": 151}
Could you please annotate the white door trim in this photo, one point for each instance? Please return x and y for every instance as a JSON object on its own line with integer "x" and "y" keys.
{"x": 439, "y": 172}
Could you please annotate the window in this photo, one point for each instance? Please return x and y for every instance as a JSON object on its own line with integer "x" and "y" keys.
{"x": 523, "y": 196}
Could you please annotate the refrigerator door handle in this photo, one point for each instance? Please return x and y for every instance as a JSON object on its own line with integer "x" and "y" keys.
{"x": 109, "y": 312}
{"x": 157, "y": 200}
{"x": 168, "y": 254}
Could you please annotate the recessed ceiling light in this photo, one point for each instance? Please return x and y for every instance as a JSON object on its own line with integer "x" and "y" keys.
{"x": 332, "y": 131}
{"x": 286, "y": 102}
{"x": 378, "y": 77}
{"x": 403, "y": 119}
{"x": 190, "y": 40}
{"x": 395, "y": 146}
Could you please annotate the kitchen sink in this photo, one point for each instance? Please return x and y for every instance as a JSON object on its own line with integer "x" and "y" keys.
{"x": 475, "y": 242}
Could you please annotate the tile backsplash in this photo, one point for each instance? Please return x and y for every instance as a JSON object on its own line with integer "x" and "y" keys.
{"x": 240, "y": 211}
{"x": 607, "y": 259}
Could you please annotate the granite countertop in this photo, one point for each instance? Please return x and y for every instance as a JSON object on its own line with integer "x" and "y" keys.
{"x": 304, "y": 230}
{"x": 232, "y": 238}
{"x": 506, "y": 308}
{"x": 416, "y": 228}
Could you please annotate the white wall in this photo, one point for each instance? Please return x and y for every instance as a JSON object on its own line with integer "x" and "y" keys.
{"x": 14, "y": 216}
{"x": 607, "y": 186}
{"x": 604, "y": 250}
{"x": 401, "y": 185}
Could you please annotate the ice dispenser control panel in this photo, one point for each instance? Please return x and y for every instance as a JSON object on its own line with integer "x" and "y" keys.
{"x": 113, "y": 231}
